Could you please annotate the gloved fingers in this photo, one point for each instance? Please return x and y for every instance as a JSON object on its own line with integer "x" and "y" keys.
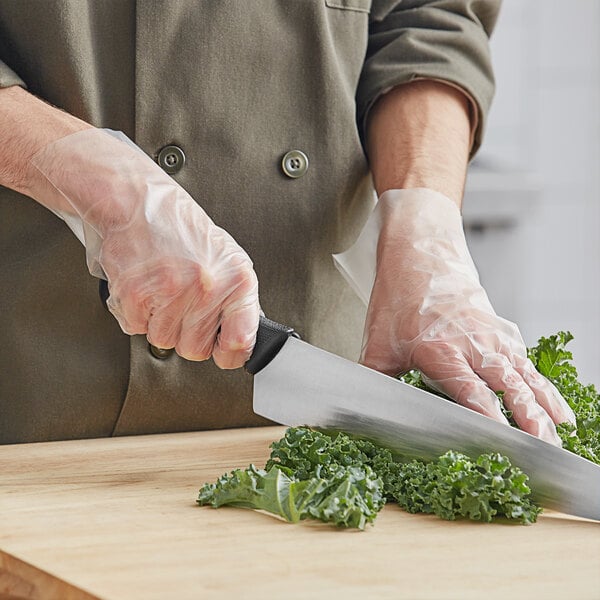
{"x": 198, "y": 335}
{"x": 239, "y": 321}
{"x": 179, "y": 304}
{"x": 164, "y": 325}
{"x": 377, "y": 350}
{"x": 380, "y": 359}
{"x": 169, "y": 305}
{"x": 139, "y": 292}
{"x": 445, "y": 369}
{"x": 131, "y": 321}
{"x": 545, "y": 392}
{"x": 236, "y": 337}
{"x": 499, "y": 373}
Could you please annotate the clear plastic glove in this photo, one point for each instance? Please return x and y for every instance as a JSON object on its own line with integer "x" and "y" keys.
{"x": 428, "y": 311}
{"x": 173, "y": 274}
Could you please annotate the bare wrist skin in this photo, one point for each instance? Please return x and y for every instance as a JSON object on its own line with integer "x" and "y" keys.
{"x": 418, "y": 136}
{"x": 28, "y": 124}
{"x": 69, "y": 166}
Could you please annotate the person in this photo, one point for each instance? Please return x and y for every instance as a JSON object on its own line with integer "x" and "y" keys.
{"x": 260, "y": 130}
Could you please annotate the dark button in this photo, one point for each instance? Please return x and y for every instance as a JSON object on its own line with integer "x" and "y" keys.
{"x": 160, "y": 352}
{"x": 171, "y": 159}
{"x": 295, "y": 164}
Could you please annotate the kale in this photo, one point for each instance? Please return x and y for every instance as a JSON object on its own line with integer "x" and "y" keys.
{"x": 554, "y": 361}
{"x": 309, "y": 475}
{"x": 348, "y": 496}
{"x": 305, "y": 451}
{"x": 456, "y": 486}
{"x": 451, "y": 486}
{"x": 345, "y": 481}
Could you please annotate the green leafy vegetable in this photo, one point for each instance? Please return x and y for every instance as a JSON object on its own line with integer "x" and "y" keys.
{"x": 305, "y": 451}
{"x": 337, "y": 479}
{"x": 455, "y": 486}
{"x": 349, "y": 496}
{"x": 450, "y": 487}
{"x": 554, "y": 361}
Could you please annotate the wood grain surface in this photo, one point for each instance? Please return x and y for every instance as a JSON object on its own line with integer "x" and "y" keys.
{"x": 116, "y": 519}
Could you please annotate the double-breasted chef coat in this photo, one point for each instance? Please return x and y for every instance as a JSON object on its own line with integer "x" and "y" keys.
{"x": 232, "y": 86}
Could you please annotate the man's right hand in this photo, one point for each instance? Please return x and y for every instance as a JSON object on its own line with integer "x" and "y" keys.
{"x": 173, "y": 274}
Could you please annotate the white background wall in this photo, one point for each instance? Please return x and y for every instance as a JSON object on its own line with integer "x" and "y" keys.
{"x": 544, "y": 272}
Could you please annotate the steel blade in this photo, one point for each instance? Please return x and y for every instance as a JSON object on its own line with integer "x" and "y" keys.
{"x": 304, "y": 385}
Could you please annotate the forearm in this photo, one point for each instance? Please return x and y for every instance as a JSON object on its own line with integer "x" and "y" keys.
{"x": 419, "y": 136}
{"x": 42, "y": 158}
{"x": 172, "y": 273}
{"x": 27, "y": 124}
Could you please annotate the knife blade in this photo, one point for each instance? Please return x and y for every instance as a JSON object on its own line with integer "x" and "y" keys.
{"x": 296, "y": 384}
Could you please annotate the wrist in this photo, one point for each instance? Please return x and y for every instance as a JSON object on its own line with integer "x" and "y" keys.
{"x": 420, "y": 212}
{"x": 28, "y": 124}
{"x": 104, "y": 179}
{"x": 422, "y": 232}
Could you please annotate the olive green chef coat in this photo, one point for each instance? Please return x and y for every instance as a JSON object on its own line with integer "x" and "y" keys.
{"x": 234, "y": 84}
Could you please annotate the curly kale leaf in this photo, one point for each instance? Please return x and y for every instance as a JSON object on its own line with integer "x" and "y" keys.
{"x": 479, "y": 489}
{"x": 455, "y": 486}
{"x": 345, "y": 481}
{"x": 306, "y": 451}
{"x": 451, "y": 487}
{"x": 274, "y": 491}
{"x": 554, "y": 361}
{"x": 415, "y": 378}
{"x": 348, "y": 497}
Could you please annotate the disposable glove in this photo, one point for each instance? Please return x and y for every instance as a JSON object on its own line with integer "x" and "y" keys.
{"x": 172, "y": 273}
{"x": 428, "y": 311}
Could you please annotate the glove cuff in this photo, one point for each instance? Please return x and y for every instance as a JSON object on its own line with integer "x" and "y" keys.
{"x": 421, "y": 212}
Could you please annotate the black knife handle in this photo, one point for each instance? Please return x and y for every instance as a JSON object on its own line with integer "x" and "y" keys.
{"x": 270, "y": 338}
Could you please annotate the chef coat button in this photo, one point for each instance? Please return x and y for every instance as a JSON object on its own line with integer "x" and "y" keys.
{"x": 171, "y": 159}
{"x": 295, "y": 164}
{"x": 160, "y": 352}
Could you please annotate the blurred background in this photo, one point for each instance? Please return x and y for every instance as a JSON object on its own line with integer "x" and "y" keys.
{"x": 532, "y": 205}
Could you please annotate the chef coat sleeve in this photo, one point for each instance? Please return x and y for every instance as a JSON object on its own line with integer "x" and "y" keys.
{"x": 445, "y": 40}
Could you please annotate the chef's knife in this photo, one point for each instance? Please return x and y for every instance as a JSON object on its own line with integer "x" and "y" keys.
{"x": 298, "y": 384}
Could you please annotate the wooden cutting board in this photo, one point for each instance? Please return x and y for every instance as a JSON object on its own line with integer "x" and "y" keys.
{"x": 117, "y": 519}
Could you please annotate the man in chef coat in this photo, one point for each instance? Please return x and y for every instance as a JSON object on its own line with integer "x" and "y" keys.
{"x": 261, "y": 129}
